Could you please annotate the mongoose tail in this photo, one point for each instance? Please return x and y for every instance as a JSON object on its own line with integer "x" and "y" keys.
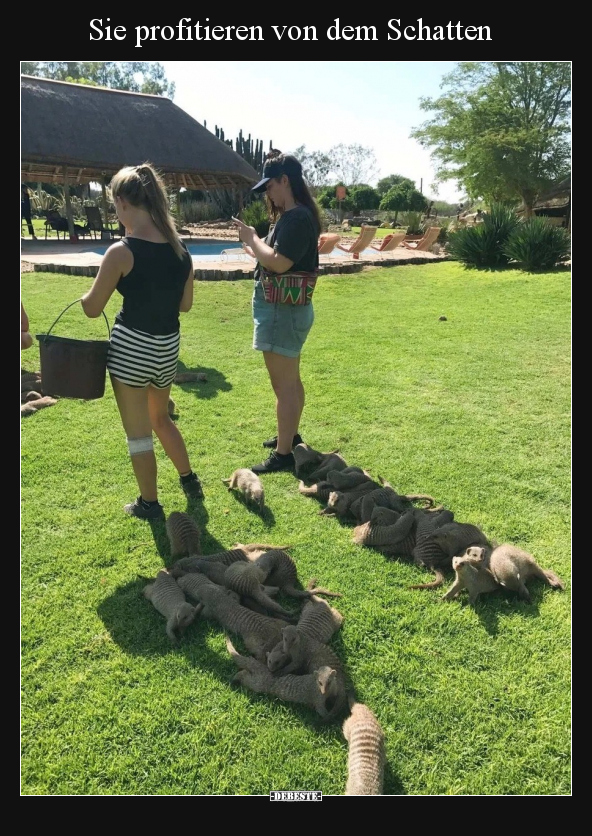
{"x": 438, "y": 582}
{"x": 553, "y": 579}
{"x": 311, "y": 589}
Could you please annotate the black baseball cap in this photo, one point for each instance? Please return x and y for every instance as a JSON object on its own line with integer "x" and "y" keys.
{"x": 275, "y": 168}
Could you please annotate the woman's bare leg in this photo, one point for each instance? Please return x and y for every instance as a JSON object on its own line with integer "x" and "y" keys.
{"x": 135, "y": 417}
{"x": 284, "y": 374}
{"x": 166, "y": 429}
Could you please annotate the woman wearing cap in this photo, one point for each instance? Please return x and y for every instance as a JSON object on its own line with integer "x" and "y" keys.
{"x": 281, "y": 329}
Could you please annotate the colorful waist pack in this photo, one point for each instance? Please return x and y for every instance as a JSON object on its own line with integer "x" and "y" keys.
{"x": 291, "y": 288}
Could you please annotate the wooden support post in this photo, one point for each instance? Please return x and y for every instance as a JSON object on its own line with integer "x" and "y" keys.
{"x": 104, "y": 203}
{"x": 69, "y": 217}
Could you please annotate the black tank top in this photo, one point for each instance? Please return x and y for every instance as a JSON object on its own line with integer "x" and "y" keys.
{"x": 153, "y": 289}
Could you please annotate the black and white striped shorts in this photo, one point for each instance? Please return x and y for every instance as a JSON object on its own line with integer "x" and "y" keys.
{"x": 138, "y": 359}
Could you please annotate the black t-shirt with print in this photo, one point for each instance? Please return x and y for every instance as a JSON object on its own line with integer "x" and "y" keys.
{"x": 294, "y": 236}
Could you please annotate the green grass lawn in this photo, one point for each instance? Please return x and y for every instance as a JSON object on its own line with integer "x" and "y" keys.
{"x": 474, "y": 410}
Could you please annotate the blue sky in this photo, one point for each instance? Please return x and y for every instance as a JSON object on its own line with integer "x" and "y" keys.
{"x": 320, "y": 104}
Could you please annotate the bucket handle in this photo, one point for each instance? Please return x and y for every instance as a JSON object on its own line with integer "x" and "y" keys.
{"x": 69, "y": 306}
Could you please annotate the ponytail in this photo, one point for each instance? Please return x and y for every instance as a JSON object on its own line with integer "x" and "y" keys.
{"x": 143, "y": 186}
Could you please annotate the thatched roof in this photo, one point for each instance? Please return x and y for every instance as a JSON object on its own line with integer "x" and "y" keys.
{"x": 556, "y": 197}
{"x": 95, "y": 131}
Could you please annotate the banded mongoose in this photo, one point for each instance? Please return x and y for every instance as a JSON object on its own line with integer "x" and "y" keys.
{"x": 512, "y": 567}
{"x": 426, "y": 551}
{"x": 471, "y": 574}
{"x": 301, "y": 654}
{"x": 196, "y": 563}
{"x": 317, "y": 690}
{"x": 248, "y": 484}
{"x": 379, "y": 498}
{"x": 371, "y": 534}
{"x": 348, "y": 478}
{"x": 320, "y": 490}
{"x": 312, "y": 465}
{"x": 39, "y": 403}
{"x": 183, "y": 533}
{"x": 340, "y": 502}
{"x": 247, "y": 579}
{"x": 169, "y": 599}
{"x": 454, "y": 537}
{"x": 260, "y": 633}
{"x": 366, "y": 752}
{"x": 281, "y": 571}
{"x": 319, "y": 620}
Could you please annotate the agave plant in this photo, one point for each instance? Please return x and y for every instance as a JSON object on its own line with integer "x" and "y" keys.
{"x": 538, "y": 245}
{"x": 483, "y": 245}
{"x": 41, "y": 200}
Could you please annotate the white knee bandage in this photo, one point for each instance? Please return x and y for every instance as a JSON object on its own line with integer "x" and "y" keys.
{"x": 140, "y": 445}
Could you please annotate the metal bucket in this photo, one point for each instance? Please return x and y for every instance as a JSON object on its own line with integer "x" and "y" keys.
{"x": 73, "y": 368}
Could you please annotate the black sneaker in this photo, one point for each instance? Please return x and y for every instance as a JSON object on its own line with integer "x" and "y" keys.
{"x": 192, "y": 486}
{"x": 272, "y": 442}
{"x": 144, "y": 510}
{"x": 274, "y": 463}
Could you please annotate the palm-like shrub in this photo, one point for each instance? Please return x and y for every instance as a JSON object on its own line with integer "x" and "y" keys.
{"x": 483, "y": 245}
{"x": 255, "y": 214}
{"x": 538, "y": 245}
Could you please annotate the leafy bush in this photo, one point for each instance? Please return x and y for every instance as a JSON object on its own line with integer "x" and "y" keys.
{"x": 443, "y": 235}
{"x": 193, "y": 211}
{"x": 538, "y": 245}
{"x": 483, "y": 245}
{"x": 255, "y": 214}
{"x": 414, "y": 223}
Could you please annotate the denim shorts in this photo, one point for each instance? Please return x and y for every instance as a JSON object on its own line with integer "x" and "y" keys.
{"x": 280, "y": 328}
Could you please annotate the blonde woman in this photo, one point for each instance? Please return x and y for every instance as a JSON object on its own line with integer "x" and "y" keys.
{"x": 152, "y": 270}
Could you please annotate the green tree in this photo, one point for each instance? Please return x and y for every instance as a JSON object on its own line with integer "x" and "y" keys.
{"x": 501, "y": 128}
{"x": 316, "y": 167}
{"x": 364, "y": 197}
{"x": 403, "y": 198}
{"x": 136, "y": 76}
{"x": 387, "y": 183}
{"x": 353, "y": 164}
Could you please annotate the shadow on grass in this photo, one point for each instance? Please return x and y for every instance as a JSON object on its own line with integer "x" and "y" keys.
{"x": 198, "y": 512}
{"x": 265, "y": 514}
{"x": 140, "y": 630}
{"x": 500, "y": 603}
{"x": 215, "y": 382}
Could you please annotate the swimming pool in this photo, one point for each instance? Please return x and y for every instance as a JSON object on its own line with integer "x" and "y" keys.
{"x": 199, "y": 252}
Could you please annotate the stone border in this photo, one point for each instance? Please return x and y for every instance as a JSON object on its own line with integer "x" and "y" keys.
{"x": 237, "y": 273}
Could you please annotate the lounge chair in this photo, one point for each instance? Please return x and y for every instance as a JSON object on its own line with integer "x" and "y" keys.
{"x": 236, "y": 254}
{"x": 389, "y": 243}
{"x": 327, "y": 243}
{"x": 426, "y": 242}
{"x": 361, "y": 243}
{"x": 94, "y": 222}
{"x": 57, "y": 222}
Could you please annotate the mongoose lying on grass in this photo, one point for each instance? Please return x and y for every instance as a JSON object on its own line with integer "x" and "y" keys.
{"x": 512, "y": 567}
{"x": 260, "y": 633}
{"x": 317, "y": 690}
{"x": 472, "y": 575}
{"x": 280, "y": 571}
{"x": 169, "y": 599}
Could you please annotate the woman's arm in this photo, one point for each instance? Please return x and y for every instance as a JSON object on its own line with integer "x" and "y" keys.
{"x": 187, "y": 298}
{"x": 117, "y": 262}
{"x": 265, "y": 255}
{"x": 26, "y": 338}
